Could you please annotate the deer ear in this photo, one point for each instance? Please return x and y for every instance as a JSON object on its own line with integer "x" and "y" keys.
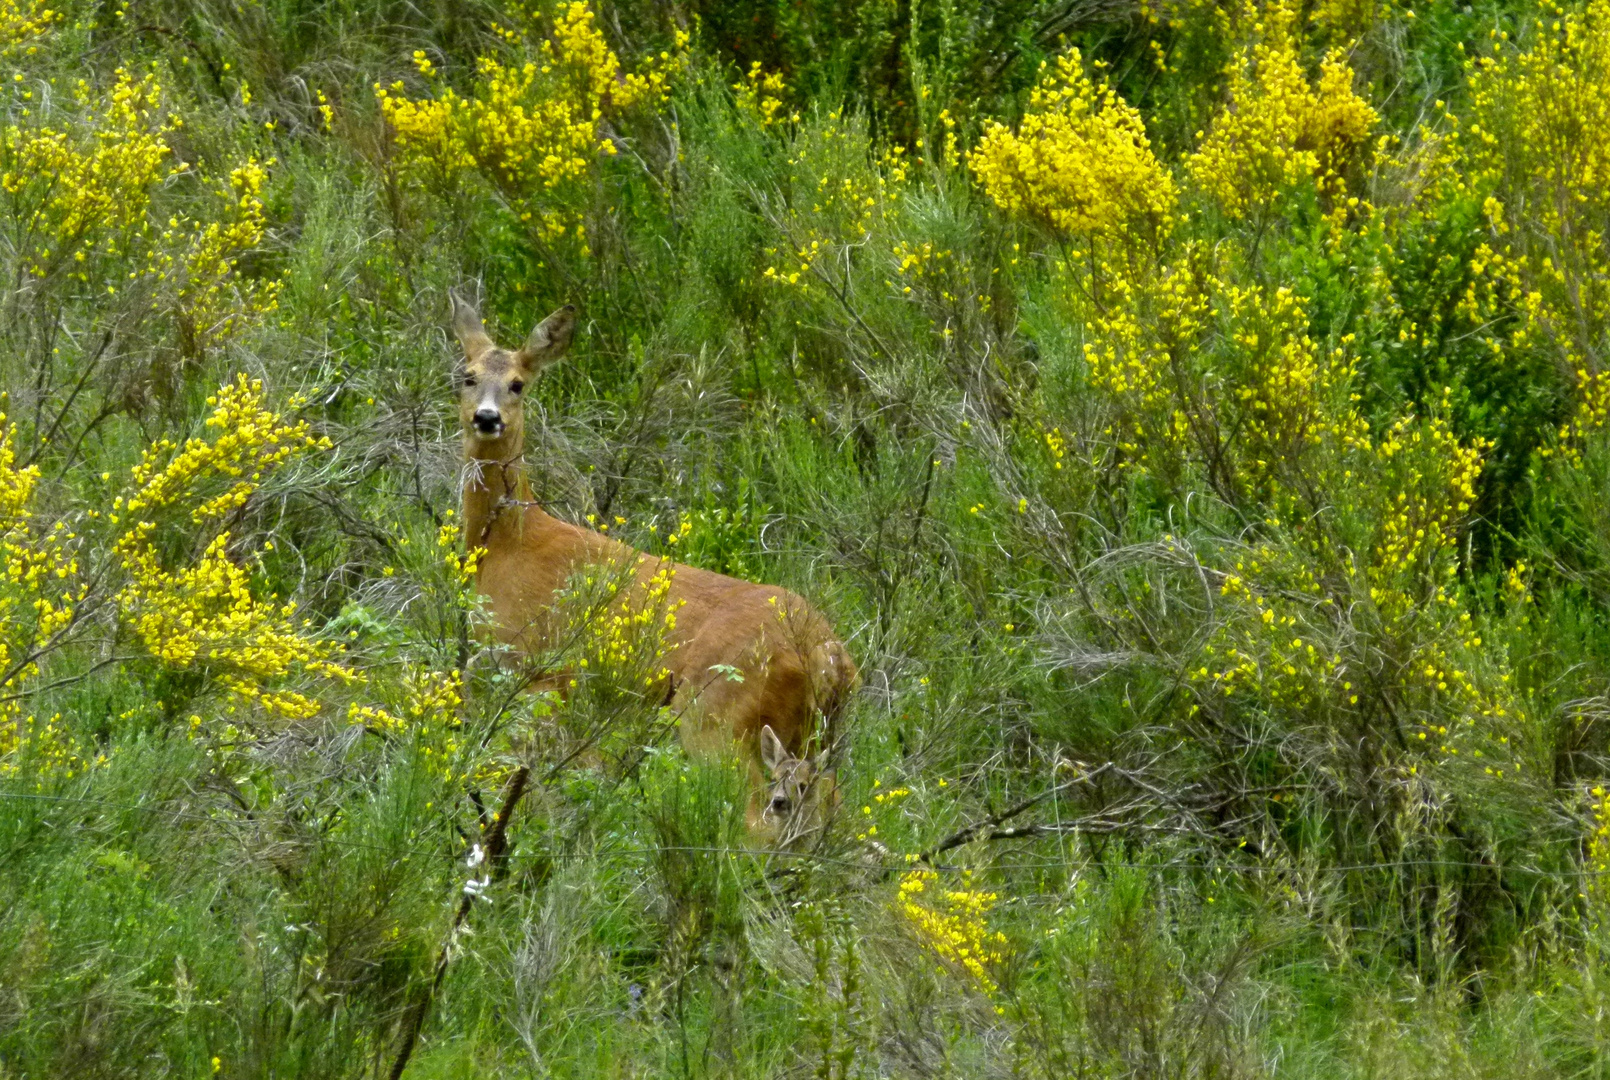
{"x": 772, "y": 751}
{"x": 549, "y": 339}
{"x": 467, "y": 327}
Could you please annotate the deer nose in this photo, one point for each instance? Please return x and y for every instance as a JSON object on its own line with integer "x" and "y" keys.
{"x": 779, "y": 804}
{"x": 488, "y": 422}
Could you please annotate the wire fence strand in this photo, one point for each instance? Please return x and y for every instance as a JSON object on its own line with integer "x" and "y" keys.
{"x": 879, "y": 862}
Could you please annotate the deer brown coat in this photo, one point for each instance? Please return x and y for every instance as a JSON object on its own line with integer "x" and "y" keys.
{"x": 742, "y": 657}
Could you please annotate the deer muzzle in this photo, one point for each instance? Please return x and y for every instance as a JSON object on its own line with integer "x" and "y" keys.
{"x": 488, "y": 423}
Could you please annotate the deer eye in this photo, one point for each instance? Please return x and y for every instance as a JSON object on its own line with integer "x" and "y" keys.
{"x": 469, "y": 380}
{"x": 516, "y": 386}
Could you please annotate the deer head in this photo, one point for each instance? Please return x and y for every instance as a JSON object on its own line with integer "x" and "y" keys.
{"x": 493, "y": 379}
{"x": 798, "y": 794}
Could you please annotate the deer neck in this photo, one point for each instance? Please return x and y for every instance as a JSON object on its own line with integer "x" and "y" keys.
{"x": 496, "y": 491}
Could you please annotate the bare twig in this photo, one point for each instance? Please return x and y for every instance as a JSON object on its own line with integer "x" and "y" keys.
{"x": 495, "y": 853}
{"x": 992, "y": 823}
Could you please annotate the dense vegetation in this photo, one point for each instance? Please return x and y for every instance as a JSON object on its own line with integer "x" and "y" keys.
{"x": 1195, "y": 417}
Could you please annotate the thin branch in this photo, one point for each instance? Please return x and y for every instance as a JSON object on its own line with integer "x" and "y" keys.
{"x": 990, "y": 824}
{"x": 70, "y": 680}
{"x": 495, "y": 852}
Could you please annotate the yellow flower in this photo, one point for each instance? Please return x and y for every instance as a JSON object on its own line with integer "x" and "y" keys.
{"x": 530, "y": 128}
{"x": 1080, "y": 161}
{"x": 959, "y": 936}
{"x": 24, "y": 22}
{"x": 205, "y": 616}
{"x": 759, "y": 96}
{"x": 39, "y": 594}
{"x": 1536, "y": 148}
{"x": 1276, "y": 128}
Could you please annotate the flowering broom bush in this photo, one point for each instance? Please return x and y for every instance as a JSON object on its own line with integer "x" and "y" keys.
{"x": 40, "y": 591}
{"x": 532, "y": 128}
{"x": 204, "y": 615}
{"x": 1278, "y": 126}
{"x": 1080, "y": 160}
{"x": 79, "y": 203}
{"x": 1532, "y": 156}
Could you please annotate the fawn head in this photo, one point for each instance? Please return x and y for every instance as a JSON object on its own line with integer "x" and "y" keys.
{"x": 492, "y": 379}
{"x": 798, "y": 793}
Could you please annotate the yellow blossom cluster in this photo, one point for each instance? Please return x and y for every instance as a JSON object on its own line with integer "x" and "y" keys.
{"x": 81, "y": 197}
{"x": 1266, "y": 655}
{"x": 760, "y": 97}
{"x": 1056, "y": 446}
{"x": 250, "y": 440}
{"x": 881, "y": 801}
{"x": 529, "y": 127}
{"x": 39, "y": 591}
{"x": 461, "y": 566}
{"x": 679, "y": 535}
{"x": 1080, "y": 161}
{"x": 917, "y": 260}
{"x": 616, "y": 623}
{"x": 627, "y": 641}
{"x": 959, "y": 935}
{"x": 204, "y": 616}
{"x": 71, "y": 194}
{"x": 212, "y": 302}
{"x": 23, "y": 23}
{"x": 1535, "y": 150}
{"x": 1338, "y": 605}
{"x": 1597, "y": 866}
{"x": 1435, "y": 479}
{"x": 200, "y": 616}
{"x": 1281, "y": 379}
{"x": 1344, "y": 20}
{"x": 1148, "y": 327}
{"x": 1592, "y": 410}
{"x": 1208, "y": 381}
{"x": 1278, "y": 127}
{"x": 1275, "y": 647}
{"x": 934, "y": 274}
{"x": 1197, "y": 368}
{"x": 428, "y": 714}
{"x": 1424, "y": 491}
{"x": 834, "y": 199}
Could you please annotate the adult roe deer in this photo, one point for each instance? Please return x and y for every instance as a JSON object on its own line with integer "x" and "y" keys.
{"x": 751, "y": 665}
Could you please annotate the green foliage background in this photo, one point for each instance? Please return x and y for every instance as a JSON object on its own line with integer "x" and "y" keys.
{"x": 1200, "y": 885}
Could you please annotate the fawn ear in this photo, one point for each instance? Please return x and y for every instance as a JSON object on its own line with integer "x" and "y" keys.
{"x": 549, "y": 339}
{"x": 772, "y": 751}
{"x": 467, "y": 327}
